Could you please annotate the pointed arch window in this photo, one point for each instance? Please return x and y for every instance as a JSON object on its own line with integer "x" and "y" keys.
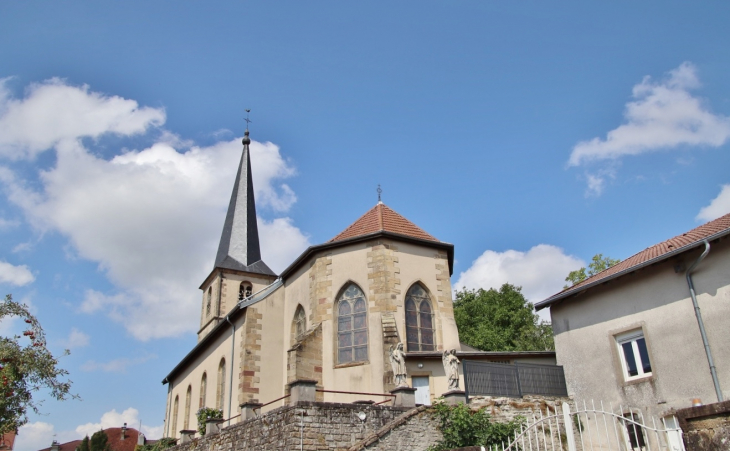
{"x": 203, "y": 388}
{"x": 244, "y": 290}
{"x": 352, "y": 327}
{"x": 175, "y": 405}
{"x": 419, "y": 320}
{"x": 220, "y": 392}
{"x": 186, "y": 418}
{"x": 299, "y": 325}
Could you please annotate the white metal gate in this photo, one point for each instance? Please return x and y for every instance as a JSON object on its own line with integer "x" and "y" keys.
{"x": 595, "y": 428}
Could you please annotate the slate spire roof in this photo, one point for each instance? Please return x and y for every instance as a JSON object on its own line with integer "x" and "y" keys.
{"x": 382, "y": 218}
{"x": 239, "y": 247}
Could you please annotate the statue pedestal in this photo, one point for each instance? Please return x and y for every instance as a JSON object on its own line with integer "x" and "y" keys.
{"x": 404, "y": 396}
{"x": 454, "y": 397}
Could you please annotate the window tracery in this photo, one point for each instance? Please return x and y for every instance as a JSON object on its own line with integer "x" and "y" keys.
{"x": 352, "y": 332}
{"x": 419, "y": 320}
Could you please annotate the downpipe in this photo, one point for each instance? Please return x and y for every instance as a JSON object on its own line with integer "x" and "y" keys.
{"x": 233, "y": 346}
{"x": 706, "y": 343}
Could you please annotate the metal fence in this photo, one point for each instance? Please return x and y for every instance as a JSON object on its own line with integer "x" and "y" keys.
{"x": 499, "y": 379}
{"x": 594, "y": 428}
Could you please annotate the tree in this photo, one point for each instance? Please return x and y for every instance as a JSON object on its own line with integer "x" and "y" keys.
{"x": 84, "y": 445}
{"x": 99, "y": 442}
{"x": 599, "y": 263}
{"x": 502, "y": 320}
{"x": 25, "y": 369}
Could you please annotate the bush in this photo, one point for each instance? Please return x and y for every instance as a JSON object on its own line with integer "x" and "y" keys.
{"x": 463, "y": 427}
{"x": 203, "y": 414}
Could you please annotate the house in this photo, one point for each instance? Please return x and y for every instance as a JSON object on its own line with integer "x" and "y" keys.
{"x": 119, "y": 439}
{"x": 652, "y": 331}
{"x": 333, "y": 316}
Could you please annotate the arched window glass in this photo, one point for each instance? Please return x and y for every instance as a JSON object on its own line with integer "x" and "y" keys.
{"x": 221, "y": 389}
{"x": 419, "y": 320}
{"x": 300, "y": 322}
{"x": 209, "y": 300}
{"x": 186, "y": 418}
{"x": 244, "y": 290}
{"x": 203, "y": 388}
{"x": 352, "y": 327}
{"x": 174, "y": 416}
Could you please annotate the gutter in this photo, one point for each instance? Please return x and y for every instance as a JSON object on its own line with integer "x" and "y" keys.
{"x": 701, "y": 324}
{"x": 566, "y": 294}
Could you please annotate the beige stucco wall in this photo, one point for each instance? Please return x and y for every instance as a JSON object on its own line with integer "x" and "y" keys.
{"x": 337, "y": 268}
{"x": 655, "y": 299}
{"x": 192, "y": 375}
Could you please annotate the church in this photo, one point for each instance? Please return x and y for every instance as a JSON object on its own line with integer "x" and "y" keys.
{"x": 334, "y": 316}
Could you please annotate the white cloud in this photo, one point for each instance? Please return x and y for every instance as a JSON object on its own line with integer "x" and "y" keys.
{"x": 39, "y": 435}
{"x": 8, "y": 223}
{"x": 15, "y": 275}
{"x": 540, "y": 271}
{"x": 663, "y": 115}
{"x": 119, "y": 365}
{"x": 76, "y": 339}
{"x": 114, "y": 419}
{"x": 151, "y": 218}
{"x": 719, "y": 206}
{"x": 53, "y": 111}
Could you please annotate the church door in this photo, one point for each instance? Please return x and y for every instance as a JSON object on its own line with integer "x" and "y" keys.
{"x": 423, "y": 391}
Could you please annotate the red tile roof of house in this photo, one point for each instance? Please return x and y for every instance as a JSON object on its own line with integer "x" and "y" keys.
{"x": 115, "y": 440}
{"x": 658, "y": 252}
{"x": 382, "y": 218}
{"x": 7, "y": 441}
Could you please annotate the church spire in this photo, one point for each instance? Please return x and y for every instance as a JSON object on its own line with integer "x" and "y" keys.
{"x": 239, "y": 246}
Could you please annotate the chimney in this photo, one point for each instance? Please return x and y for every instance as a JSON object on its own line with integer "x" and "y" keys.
{"x": 140, "y": 439}
{"x": 55, "y": 446}
{"x": 124, "y": 431}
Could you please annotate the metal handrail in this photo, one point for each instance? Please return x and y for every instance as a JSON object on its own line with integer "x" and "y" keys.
{"x": 356, "y": 393}
{"x": 271, "y": 402}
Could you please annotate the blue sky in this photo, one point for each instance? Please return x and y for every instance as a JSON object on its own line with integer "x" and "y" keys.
{"x": 530, "y": 135}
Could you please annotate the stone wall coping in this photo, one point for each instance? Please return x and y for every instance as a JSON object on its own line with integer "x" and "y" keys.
{"x": 375, "y": 436}
{"x": 689, "y": 413}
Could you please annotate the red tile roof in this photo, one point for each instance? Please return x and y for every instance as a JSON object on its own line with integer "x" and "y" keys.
{"x": 382, "y": 218}
{"x": 653, "y": 254}
{"x": 7, "y": 441}
{"x": 115, "y": 441}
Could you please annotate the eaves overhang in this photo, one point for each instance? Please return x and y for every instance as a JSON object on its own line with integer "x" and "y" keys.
{"x": 311, "y": 250}
{"x": 666, "y": 256}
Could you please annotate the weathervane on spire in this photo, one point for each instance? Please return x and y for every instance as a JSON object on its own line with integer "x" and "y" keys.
{"x": 380, "y": 191}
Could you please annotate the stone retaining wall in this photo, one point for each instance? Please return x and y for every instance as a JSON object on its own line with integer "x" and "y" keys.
{"x": 706, "y": 427}
{"x": 308, "y": 426}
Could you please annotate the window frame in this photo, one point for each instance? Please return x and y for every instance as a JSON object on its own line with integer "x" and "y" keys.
{"x": 300, "y": 319}
{"x": 188, "y": 401}
{"x": 351, "y": 301}
{"x": 418, "y": 301}
{"x": 633, "y": 337}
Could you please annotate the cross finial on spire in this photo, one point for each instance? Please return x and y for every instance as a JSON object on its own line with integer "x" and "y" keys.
{"x": 380, "y": 191}
{"x": 248, "y": 121}
{"x": 246, "y": 140}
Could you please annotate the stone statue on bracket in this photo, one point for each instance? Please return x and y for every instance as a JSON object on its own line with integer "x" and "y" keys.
{"x": 398, "y": 363}
{"x": 451, "y": 368}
